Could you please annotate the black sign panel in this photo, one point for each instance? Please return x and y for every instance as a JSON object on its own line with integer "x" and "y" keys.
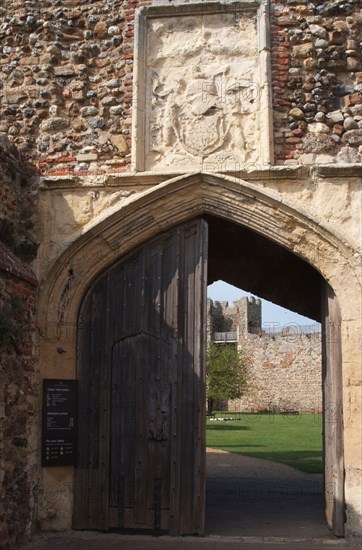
{"x": 59, "y": 422}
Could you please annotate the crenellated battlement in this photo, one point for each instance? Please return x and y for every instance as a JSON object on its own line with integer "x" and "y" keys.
{"x": 243, "y": 316}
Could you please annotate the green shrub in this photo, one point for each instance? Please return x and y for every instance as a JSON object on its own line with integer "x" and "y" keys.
{"x": 225, "y": 373}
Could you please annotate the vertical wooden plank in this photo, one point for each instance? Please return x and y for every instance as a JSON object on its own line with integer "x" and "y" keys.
{"x": 127, "y": 389}
{"x": 188, "y": 381}
{"x": 200, "y": 306}
{"x": 197, "y": 301}
{"x": 116, "y": 426}
{"x": 172, "y": 315}
{"x": 91, "y": 474}
{"x": 129, "y": 410}
{"x": 157, "y": 503}
{"x": 140, "y": 463}
{"x": 117, "y": 477}
{"x": 169, "y": 282}
{"x": 123, "y": 429}
{"x": 189, "y": 441}
{"x": 102, "y": 505}
{"x": 136, "y": 440}
{"x": 85, "y": 414}
{"x": 152, "y": 325}
{"x": 177, "y": 411}
{"x": 333, "y": 413}
{"x": 80, "y": 507}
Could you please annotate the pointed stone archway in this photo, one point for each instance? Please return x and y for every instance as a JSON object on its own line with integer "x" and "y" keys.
{"x": 167, "y": 205}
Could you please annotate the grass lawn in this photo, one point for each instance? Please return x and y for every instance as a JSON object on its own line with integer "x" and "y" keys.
{"x": 295, "y": 440}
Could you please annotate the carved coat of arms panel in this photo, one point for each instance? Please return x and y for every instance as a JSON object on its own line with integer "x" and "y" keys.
{"x": 202, "y": 92}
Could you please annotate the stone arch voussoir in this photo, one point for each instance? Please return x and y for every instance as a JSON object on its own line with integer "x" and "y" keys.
{"x": 170, "y": 204}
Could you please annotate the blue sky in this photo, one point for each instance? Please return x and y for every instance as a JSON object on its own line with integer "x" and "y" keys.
{"x": 271, "y": 313}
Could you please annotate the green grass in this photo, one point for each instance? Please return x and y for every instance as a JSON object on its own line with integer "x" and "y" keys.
{"x": 295, "y": 440}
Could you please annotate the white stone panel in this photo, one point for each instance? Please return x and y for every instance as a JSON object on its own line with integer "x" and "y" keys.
{"x": 200, "y": 92}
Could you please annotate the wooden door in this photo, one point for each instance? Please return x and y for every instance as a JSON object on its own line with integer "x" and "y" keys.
{"x": 333, "y": 413}
{"x": 141, "y": 377}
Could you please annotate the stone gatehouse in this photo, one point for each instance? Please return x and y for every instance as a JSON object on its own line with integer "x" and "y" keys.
{"x": 284, "y": 367}
{"x": 160, "y": 146}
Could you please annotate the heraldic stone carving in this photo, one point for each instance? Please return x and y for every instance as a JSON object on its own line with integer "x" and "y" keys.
{"x": 202, "y": 92}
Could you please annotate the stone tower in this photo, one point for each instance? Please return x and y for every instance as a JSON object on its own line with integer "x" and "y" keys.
{"x": 243, "y": 317}
{"x": 248, "y": 315}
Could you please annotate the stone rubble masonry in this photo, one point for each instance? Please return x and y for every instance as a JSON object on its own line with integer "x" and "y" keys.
{"x": 317, "y": 81}
{"x": 18, "y": 196}
{"x": 19, "y": 388}
{"x": 284, "y": 373}
{"x": 66, "y": 83}
{"x": 284, "y": 369}
{"x": 19, "y": 382}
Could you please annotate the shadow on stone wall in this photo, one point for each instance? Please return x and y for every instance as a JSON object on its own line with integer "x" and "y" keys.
{"x": 18, "y": 370}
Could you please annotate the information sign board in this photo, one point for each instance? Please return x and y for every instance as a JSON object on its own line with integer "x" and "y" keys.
{"x": 59, "y": 422}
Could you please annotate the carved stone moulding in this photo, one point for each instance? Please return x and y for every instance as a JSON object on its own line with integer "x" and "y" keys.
{"x": 202, "y": 87}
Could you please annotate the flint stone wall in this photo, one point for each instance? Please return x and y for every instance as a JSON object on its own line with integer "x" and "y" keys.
{"x": 18, "y": 201}
{"x": 284, "y": 373}
{"x": 67, "y": 85}
{"x": 19, "y": 374}
{"x": 284, "y": 369}
{"x": 19, "y": 405}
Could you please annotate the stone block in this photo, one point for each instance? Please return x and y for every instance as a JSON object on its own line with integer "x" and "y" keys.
{"x": 353, "y": 137}
{"x": 55, "y": 124}
{"x": 353, "y": 99}
{"x": 353, "y": 64}
{"x": 335, "y": 117}
{"x": 13, "y": 98}
{"x": 325, "y": 159}
{"x": 318, "y": 128}
{"x": 29, "y": 60}
{"x": 87, "y": 157}
{"x": 336, "y": 38}
{"x": 100, "y": 30}
{"x": 65, "y": 71}
{"x": 303, "y": 50}
{"x": 307, "y": 159}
